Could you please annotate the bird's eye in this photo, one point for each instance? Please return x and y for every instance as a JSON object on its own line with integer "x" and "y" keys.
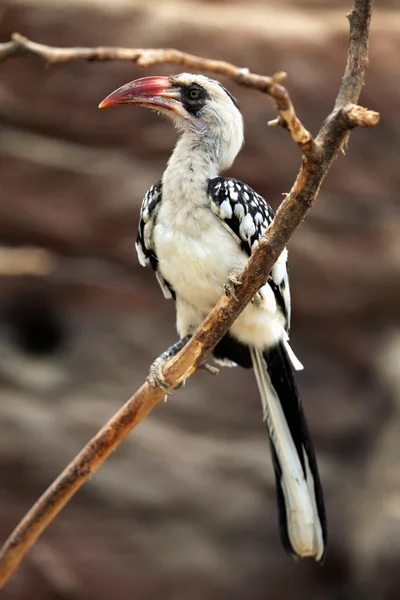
{"x": 193, "y": 98}
{"x": 194, "y": 94}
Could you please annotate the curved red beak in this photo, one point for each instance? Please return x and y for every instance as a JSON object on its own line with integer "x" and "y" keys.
{"x": 152, "y": 92}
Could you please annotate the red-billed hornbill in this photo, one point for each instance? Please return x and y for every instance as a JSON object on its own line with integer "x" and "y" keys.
{"x": 196, "y": 230}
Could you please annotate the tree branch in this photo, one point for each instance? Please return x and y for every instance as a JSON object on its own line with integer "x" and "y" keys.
{"x": 318, "y": 155}
{"x": 148, "y": 57}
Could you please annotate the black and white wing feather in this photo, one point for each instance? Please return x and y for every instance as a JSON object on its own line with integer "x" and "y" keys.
{"x": 144, "y": 242}
{"x": 247, "y": 216}
{"x": 301, "y": 509}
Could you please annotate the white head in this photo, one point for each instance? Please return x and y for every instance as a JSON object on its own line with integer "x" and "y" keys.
{"x": 197, "y": 105}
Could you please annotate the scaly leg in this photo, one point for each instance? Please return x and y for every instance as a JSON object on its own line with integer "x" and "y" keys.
{"x": 156, "y": 377}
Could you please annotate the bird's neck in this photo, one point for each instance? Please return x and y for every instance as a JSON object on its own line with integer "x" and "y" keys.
{"x": 193, "y": 162}
{"x": 198, "y": 156}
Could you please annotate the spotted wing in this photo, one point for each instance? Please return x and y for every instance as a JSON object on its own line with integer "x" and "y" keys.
{"x": 144, "y": 242}
{"x": 247, "y": 216}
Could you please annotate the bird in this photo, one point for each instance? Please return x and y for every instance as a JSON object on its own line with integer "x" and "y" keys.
{"x": 197, "y": 230}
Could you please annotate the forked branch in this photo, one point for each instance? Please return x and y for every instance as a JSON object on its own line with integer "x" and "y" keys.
{"x": 318, "y": 155}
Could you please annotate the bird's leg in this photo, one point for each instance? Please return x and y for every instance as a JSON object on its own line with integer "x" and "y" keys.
{"x": 156, "y": 377}
{"x": 231, "y": 284}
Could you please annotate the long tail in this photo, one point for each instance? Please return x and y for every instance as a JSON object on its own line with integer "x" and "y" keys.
{"x": 300, "y": 499}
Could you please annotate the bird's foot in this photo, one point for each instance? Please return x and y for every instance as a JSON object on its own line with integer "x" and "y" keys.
{"x": 257, "y": 300}
{"x": 231, "y": 284}
{"x": 156, "y": 377}
{"x": 210, "y": 369}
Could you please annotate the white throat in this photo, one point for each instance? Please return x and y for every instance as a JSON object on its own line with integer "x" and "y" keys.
{"x": 199, "y": 156}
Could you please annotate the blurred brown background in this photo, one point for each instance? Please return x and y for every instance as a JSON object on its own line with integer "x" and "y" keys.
{"x": 185, "y": 509}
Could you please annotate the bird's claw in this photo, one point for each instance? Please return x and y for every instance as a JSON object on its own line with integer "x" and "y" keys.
{"x": 156, "y": 377}
{"x": 257, "y": 300}
{"x": 210, "y": 369}
{"x": 231, "y": 284}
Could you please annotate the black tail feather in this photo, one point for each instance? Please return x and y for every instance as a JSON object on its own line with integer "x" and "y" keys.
{"x": 299, "y": 491}
{"x": 279, "y": 389}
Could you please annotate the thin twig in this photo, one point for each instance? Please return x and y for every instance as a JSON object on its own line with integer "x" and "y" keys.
{"x": 288, "y": 217}
{"x": 358, "y": 116}
{"x": 148, "y": 57}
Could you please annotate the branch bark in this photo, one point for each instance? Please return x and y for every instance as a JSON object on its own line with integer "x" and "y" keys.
{"x": 318, "y": 156}
{"x": 148, "y": 57}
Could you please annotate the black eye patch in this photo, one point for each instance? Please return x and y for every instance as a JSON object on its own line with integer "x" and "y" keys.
{"x": 193, "y": 98}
